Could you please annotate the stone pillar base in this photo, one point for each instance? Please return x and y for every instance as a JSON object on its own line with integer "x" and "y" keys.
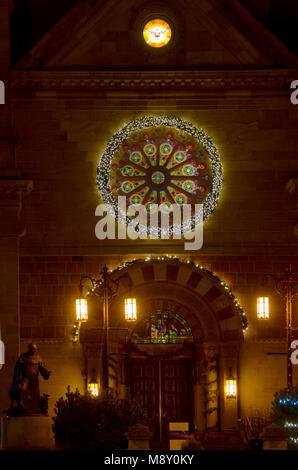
{"x": 138, "y": 437}
{"x": 27, "y": 432}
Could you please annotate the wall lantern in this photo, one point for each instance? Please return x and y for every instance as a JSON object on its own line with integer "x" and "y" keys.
{"x": 81, "y": 302}
{"x": 93, "y": 387}
{"x": 81, "y": 310}
{"x": 231, "y": 386}
{"x": 130, "y": 308}
{"x": 263, "y": 308}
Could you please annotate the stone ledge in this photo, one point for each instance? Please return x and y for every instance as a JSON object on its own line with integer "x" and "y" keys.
{"x": 184, "y": 80}
{"x": 27, "y": 432}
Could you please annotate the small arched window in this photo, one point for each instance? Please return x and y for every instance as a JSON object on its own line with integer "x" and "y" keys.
{"x": 161, "y": 327}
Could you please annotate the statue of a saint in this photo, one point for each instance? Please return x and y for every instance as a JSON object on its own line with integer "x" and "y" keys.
{"x": 25, "y": 387}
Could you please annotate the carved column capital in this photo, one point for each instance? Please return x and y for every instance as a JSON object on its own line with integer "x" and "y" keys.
{"x": 12, "y": 191}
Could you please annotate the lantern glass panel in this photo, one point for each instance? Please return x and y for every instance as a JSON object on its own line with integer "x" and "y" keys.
{"x": 93, "y": 389}
{"x": 231, "y": 389}
{"x": 130, "y": 309}
{"x": 81, "y": 310}
{"x": 263, "y": 308}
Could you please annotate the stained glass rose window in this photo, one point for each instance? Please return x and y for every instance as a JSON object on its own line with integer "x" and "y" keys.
{"x": 160, "y": 160}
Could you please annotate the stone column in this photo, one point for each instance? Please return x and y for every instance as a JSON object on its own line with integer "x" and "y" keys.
{"x": 12, "y": 189}
{"x": 11, "y": 228}
{"x": 211, "y": 386}
{"x": 138, "y": 437}
{"x": 199, "y": 389}
{"x": 229, "y": 359}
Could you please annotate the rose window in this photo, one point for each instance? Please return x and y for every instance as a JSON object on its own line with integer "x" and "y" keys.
{"x": 160, "y": 161}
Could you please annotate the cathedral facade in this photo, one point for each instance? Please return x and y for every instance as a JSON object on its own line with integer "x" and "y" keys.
{"x": 102, "y": 106}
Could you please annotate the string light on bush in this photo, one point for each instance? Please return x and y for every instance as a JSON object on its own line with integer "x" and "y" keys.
{"x": 294, "y": 440}
{"x": 285, "y": 413}
{"x": 288, "y": 401}
{"x": 291, "y": 425}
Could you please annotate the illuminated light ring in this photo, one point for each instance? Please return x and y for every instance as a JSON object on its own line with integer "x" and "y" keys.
{"x": 136, "y": 157}
{"x": 165, "y": 149}
{"x": 136, "y": 199}
{"x": 188, "y": 170}
{"x": 128, "y": 170}
{"x": 179, "y": 156}
{"x": 158, "y": 177}
{"x": 150, "y": 149}
{"x": 118, "y": 139}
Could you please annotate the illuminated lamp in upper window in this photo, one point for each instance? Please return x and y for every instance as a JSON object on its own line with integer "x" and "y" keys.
{"x": 263, "y": 308}
{"x": 130, "y": 308}
{"x": 157, "y": 33}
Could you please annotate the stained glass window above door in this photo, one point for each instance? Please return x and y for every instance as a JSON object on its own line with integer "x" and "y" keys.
{"x": 161, "y": 327}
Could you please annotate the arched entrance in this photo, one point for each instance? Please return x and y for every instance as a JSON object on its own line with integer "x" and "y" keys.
{"x": 178, "y": 363}
{"x": 161, "y": 371}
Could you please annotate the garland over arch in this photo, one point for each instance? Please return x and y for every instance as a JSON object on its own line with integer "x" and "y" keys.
{"x": 196, "y": 268}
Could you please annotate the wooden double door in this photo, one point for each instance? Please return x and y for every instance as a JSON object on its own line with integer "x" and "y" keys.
{"x": 165, "y": 389}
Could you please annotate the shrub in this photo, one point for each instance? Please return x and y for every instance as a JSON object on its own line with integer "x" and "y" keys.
{"x": 285, "y": 413}
{"x": 99, "y": 423}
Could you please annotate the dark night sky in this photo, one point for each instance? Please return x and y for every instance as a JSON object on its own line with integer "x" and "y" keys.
{"x": 31, "y": 19}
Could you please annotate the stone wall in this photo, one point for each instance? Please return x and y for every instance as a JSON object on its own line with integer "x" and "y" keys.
{"x": 61, "y": 148}
{"x": 49, "y": 286}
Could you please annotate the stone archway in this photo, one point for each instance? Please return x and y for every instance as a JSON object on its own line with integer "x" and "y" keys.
{"x": 213, "y": 315}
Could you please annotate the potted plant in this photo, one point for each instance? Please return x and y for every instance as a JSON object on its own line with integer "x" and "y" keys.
{"x": 251, "y": 428}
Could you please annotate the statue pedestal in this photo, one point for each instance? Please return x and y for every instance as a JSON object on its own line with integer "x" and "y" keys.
{"x": 27, "y": 432}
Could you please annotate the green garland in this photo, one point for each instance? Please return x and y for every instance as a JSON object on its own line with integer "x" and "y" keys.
{"x": 76, "y": 331}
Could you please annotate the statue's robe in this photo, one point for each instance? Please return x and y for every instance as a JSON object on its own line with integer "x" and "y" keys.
{"x": 25, "y": 381}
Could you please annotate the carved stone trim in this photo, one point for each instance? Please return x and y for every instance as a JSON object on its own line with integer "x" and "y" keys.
{"x": 94, "y": 81}
{"x": 11, "y": 194}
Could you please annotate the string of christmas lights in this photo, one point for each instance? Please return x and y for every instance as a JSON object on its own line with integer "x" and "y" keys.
{"x": 288, "y": 401}
{"x": 285, "y": 413}
{"x": 118, "y": 139}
